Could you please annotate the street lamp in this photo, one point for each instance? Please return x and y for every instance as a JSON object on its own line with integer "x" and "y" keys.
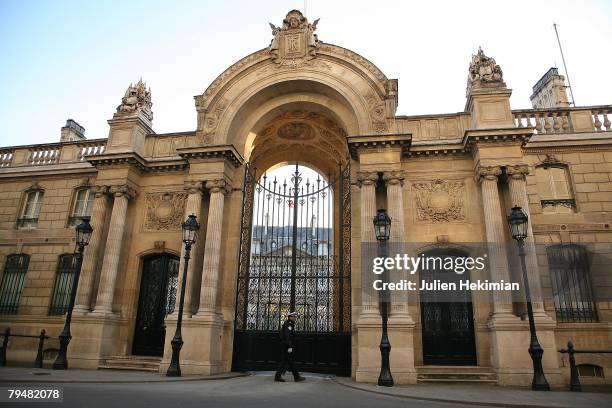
{"x": 190, "y": 234}
{"x": 517, "y": 221}
{"x": 382, "y": 228}
{"x": 83, "y": 235}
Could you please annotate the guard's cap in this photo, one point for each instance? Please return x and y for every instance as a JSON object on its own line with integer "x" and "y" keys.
{"x": 293, "y": 314}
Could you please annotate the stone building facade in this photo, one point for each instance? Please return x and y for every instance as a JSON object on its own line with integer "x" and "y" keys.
{"x": 445, "y": 178}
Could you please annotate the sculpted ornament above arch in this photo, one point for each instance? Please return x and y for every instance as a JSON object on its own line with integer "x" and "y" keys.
{"x": 296, "y": 54}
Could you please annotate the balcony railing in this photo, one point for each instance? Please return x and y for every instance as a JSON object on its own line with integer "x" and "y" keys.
{"x": 52, "y": 153}
{"x": 565, "y": 120}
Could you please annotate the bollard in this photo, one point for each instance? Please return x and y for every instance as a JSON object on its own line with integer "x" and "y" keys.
{"x": 7, "y": 334}
{"x": 38, "y": 363}
{"x": 574, "y": 378}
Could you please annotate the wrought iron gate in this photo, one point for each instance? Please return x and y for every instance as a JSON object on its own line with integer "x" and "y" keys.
{"x": 156, "y": 300}
{"x": 447, "y": 318}
{"x": 289, "y": 261}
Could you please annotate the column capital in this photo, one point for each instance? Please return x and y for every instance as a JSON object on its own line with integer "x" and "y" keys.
{"x": 218, "y": 186}
{"x": 367, "y": 178}
{"x": 394, "y": 177}
{"x": 517, "y": 171}
{"x": 194, "y": 187}
{"x": 491, "y": 173}
{"x": 99, "y": 191}
{"x": 123, "y": 190}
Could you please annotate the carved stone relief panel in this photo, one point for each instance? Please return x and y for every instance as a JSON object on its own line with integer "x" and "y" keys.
{"x": 440, "y": 200}
{"x": 164, "y": 211}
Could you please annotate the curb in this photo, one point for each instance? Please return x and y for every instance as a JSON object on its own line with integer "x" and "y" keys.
{"x": 162, "y": 379}
{"x": 446, "y": 400}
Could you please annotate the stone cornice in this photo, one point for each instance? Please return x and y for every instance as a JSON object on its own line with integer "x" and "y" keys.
{"x": 504, "y": 135}
{"x": 137, "y": 161}
{"x": 366, "y": 142}
{"x": 226, "y": 152}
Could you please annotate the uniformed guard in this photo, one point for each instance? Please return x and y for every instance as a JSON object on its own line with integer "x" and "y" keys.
{"x": 287, "y": 335}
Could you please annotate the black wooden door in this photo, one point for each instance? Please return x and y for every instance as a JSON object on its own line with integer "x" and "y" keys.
{"x": 157, "y": 297}
{"x": 291, "y": 259}
{"x": 447, "y": 319}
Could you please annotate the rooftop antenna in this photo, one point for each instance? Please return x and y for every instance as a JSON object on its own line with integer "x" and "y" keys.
{"x": 564, "y": 66}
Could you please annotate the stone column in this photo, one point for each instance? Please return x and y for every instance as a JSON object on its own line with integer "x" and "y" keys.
{"x": 192, "y": 206}
{"x": 395, "y": 201}
{"x": 92, "y": 252}
{"x": 518, "y": 195}
{"x": 212, "y": 250}
{"x": 112, "y": 252}
{"x": 367, "y": 183}
{"x": 494, "y": 225}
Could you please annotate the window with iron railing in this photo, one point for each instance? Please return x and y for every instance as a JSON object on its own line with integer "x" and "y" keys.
{"x": 64, "y": 279}
{"x": 571, "y": 283}
{"x": 555, "y": 189}
{"x": 83, "y": 204}
{"x": 13, "y": 279}
{"x": 31, "y": 209}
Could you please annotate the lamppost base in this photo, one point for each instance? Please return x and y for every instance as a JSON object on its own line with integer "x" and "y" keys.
{"x": 385, "y": 382}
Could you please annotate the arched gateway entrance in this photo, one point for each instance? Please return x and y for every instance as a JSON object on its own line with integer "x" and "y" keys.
{"x": 297, "y": 101}
{"x": 294, "y": 256}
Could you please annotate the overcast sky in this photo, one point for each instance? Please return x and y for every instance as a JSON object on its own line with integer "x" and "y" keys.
{"x": 63, "y": 59}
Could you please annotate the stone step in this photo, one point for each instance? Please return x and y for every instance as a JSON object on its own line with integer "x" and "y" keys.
{"x": 132, "y": 363}
{"x": 456, "y": 374}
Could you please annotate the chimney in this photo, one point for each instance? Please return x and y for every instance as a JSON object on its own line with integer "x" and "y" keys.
{"x": 72, "y": 132}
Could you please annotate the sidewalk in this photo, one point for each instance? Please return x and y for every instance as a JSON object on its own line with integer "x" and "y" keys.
{"x": 487, "y": 395}
{"x": 46, "y": 375}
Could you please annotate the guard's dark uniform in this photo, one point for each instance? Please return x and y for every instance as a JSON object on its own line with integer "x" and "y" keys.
{"x": 287, "y": 336}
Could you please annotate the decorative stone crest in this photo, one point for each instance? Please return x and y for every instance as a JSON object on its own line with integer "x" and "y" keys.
{"x": 164, "y": 211}
{"x": 295, "y": 43}
{"x": 440, "y": 200}
{"x": 211, "y": 120}
{"x": 137, "y": 99}
{"x": 484, "y": 72}
{"x": 377, "y": 112}
{"x": 297, "y": 131}
{"x": 550, "y": 160}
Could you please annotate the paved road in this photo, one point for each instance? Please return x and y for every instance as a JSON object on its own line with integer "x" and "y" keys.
{"x": 243, "y": 392}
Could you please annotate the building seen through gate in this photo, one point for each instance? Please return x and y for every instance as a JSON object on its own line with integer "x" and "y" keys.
{"x": 295, "y": 148}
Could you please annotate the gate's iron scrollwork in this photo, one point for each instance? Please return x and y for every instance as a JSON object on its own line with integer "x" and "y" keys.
{"x": 289, "y": 261}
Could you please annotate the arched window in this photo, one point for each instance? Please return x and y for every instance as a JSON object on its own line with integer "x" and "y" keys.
{"x": 30, "y": 210}
{"x": 83, "y": 204}
{"x": 66, "y": 268}
{"x": 13, "y": 279}
{"x": 554, "y": 188}
{"x": 571, "y": 283}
